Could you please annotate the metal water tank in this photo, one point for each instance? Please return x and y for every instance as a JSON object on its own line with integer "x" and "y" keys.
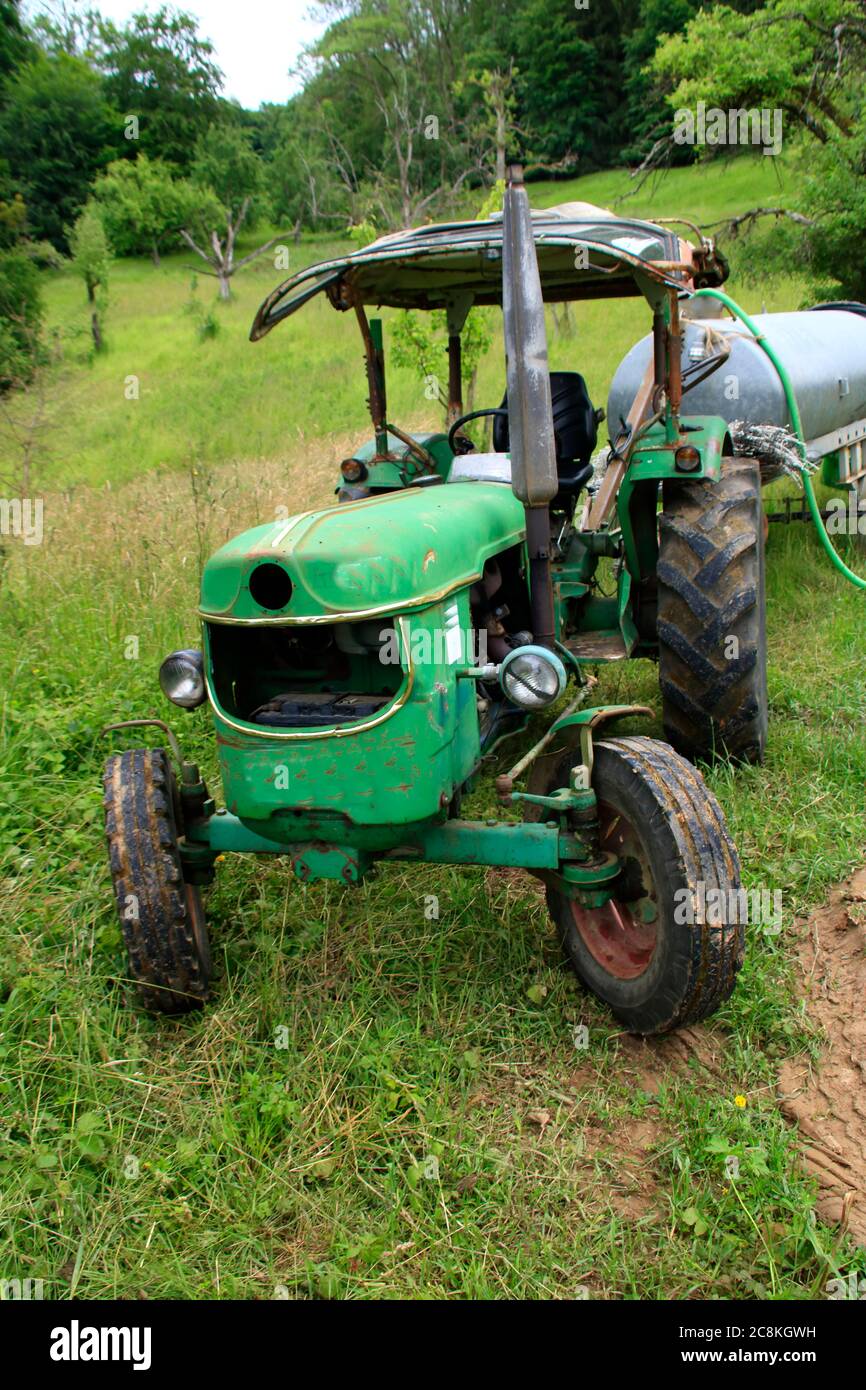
{"x": 823, "y": 350}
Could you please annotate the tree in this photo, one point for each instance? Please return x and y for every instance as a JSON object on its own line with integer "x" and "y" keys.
{"x": 20, "y": 317}
{"x": 56, "y": 132}
{"x": 143, "y": 205}
{"x": 566, "y": 78}
{"x": 648, "y": 117}
{"x": 497, "y": 125}
{"x": 835, "y": 195}
{"x": 91, "y": 257}
{"x": 648, "y": 110}
{"x": 396, "y": 61}
{"x": 313, "y": 174}
{"x": 806, "y": 58}
{"x": 161, "y": 71}
{"x": 227, "y": 168}
{"x": 13, "y": 211}
{"x": 69, "y": 30}
{"x": 794, "y": 55}
{"x": 15, "y": 47}
{"x": 90, "y": 251}
{"x": 420, "y": 341}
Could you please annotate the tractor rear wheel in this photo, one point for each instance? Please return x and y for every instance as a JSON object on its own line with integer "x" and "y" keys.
{"x": 161, "y": 916}
{"x": 664, "y": 951}
{"x": 711, "y": 615}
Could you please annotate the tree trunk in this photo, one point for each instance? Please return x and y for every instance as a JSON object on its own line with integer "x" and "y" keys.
{"x": 154, "y": 254}
{"x": 224, "y": 284}
{"x": 96, "y": 331}
{"x": 91, "y": 291}
{"x": 501, "y": 141}
{"x": 562, "y": 320}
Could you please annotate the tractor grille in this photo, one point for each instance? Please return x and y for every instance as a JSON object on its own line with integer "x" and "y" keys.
{"x": 304, "y": 677}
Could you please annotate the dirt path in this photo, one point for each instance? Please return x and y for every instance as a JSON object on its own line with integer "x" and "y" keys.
{"x": 827, "y": 1100}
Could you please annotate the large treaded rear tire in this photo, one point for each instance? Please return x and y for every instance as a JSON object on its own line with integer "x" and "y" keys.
{"x": 161, "y": 917}
{"x": 660, "y": 973}
{"x": 711, "y": 590}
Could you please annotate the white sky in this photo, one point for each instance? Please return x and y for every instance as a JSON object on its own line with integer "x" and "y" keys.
{"x": 256, "y": 41}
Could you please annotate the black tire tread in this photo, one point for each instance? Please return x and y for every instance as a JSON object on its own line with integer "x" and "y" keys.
{"x": 164, "y": 958}
{"x": 685, "y": 817}
{"x": 710, "y": 587}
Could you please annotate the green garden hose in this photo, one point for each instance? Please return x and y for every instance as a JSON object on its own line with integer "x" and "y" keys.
{"x": 797, "y": 424}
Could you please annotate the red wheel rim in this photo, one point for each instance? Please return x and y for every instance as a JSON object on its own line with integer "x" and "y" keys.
{"x": 622, "y": 935}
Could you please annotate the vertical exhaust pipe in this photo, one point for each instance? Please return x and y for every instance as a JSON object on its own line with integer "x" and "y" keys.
{"x": 530, "y": 410}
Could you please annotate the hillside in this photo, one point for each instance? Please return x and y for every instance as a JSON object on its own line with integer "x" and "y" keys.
{"x": 223, "y": 399}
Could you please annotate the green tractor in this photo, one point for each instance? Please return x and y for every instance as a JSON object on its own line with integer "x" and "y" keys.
{"x": 360, "y": 661}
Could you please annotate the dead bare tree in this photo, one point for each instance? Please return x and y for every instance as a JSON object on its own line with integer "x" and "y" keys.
{"x": 732, "y": 225}
{"x": 221, "y": 256}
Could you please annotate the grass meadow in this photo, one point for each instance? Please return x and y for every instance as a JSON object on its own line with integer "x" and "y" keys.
{"x": 377, "y": 1104}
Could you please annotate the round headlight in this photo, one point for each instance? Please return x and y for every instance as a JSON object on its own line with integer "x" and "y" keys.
{"x": 532, "y": 677}
{"x": 181, "y": 676}
{"x": 353, "y": 470}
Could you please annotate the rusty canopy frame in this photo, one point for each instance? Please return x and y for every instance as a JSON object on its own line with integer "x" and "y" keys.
{"x": 583, "y": 252}
{"x": 433, "y": 267}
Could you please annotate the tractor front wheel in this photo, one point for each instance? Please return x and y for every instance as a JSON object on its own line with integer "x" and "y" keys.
{"x": 161, "y": 916}
{"x": 664, "y": 951}
{"x": 711, "y": 615}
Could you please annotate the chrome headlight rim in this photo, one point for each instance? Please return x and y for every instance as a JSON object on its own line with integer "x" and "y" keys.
{"x": 541, "y": 696}
{"x": 181, "y": 678}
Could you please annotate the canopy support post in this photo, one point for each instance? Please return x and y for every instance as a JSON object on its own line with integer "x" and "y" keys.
{"x": 375, "y": 358}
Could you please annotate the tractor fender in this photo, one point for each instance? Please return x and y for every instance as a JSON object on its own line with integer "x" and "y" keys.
{"x": 586, "y": 721}
{"x": 582, "y": 723}
{"x": 598, "y": 714}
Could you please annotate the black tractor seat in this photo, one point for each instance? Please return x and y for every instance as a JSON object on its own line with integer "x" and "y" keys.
{"x": 575, "y": 423}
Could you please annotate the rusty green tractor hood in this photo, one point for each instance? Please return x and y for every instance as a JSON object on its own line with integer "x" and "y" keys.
{"x": 384, "y": 554}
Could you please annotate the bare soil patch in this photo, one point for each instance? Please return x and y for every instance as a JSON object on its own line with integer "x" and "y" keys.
{"x": 827, "y": 1100}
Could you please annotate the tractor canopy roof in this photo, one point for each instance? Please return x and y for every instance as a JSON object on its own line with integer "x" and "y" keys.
{"x": 458, "y": 264}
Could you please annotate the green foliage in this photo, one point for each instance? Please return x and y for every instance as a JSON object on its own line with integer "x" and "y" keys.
{"x": 492, "y": 202}
{"x": 419, "y": 341}
{"x": 493, "y": 121}
{"x": 13, "y": 219}
{"x": 14, "y": 44}
{"x": 90, "y": 251}
{"x": 405, "y": 106}
{"x": 21, "y": 313}
{"x": 785, "y": 56}
{"x": 226, "y": 164}
{"x": 302, "y": 174}
{"x": 363, "y": 234}
{"x": 648, "y": 111}
{"x": 207, "y": 325}
{"x": 565, "y": 76}
{"x": 159, "y": 69}
{"x": 144, "y": 206}
{"x": 835, "y": 194}
{"x": 765, "y": 59}
{"x": 56, "y": 132}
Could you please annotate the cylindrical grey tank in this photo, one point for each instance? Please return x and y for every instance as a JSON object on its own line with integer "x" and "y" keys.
{"x": 823, "y": 351}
